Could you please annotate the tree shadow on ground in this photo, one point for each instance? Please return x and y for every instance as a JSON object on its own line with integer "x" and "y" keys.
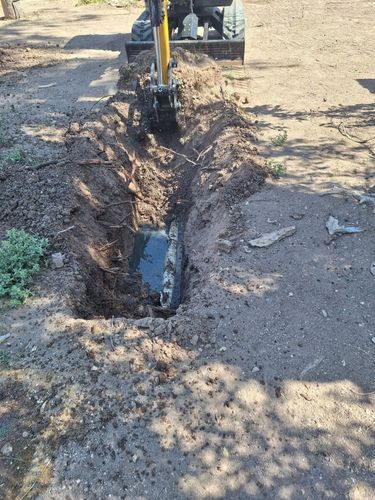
{"x": 137, "y": 412}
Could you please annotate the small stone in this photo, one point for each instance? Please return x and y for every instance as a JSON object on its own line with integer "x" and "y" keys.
{"x": 25, "y": 434}
{"x": 57, "y": 260}
{"x": 324, "y": 312}
{"x": 223, "y": 349}
{"x": 143, "y": 323}
{"x": 7, "y": 449}
{"x": 194, "y": 339}
{"x": 255, "y": 369}
{"x": 373, "y": 340}
{"x": 224, "y": 245}
{"x": 94, "y": 368}
{"x": 212, "y": 339}
{"x": 159, "y": 331}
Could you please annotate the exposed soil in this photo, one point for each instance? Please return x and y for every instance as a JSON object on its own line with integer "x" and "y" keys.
{"x": 147, "y": 178}
{"x": 261, "y": 385}
{"x": 14, "y": 59}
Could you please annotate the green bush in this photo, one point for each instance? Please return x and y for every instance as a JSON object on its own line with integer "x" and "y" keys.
{"x": 20, "y": 254}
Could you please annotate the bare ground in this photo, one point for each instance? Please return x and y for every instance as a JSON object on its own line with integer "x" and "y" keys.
{"x": 261, "y": 386}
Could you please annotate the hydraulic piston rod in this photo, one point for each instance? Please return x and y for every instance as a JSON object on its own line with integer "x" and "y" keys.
{"x": 159, "y": 21}
{"x": 163, "y": 86}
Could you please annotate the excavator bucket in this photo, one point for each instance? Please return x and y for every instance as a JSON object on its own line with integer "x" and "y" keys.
{"x": 216, "y": 49}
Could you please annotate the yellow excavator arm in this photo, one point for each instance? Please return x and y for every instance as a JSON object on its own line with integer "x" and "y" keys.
{"x": 164, "y": 87}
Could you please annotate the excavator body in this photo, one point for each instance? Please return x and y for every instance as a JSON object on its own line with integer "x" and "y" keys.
{"x": 214, "y": 27}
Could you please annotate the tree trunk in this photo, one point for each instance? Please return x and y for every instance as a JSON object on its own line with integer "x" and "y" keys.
{"x": 11, "y": 9}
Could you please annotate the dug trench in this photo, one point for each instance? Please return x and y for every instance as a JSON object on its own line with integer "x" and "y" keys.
{"x": 129, "y": 177}
{"x": 116, "y": 176}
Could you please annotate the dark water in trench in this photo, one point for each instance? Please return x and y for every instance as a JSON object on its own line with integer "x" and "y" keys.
{"x": 149, "y": 254}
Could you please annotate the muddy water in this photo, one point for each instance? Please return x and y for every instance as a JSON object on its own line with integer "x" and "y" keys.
{"x": 149, "y": 254}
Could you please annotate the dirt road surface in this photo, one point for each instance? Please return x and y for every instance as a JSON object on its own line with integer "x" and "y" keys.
{"x": 262, "y": 385}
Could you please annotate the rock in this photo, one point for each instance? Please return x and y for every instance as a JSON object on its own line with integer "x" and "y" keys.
{"x": 144, "y": 323}
{"x": 297, "y": 216}
{"x": 224, "y": 245}
{"x": 3, "y": 338}
{"x": 255, "y": 369}
{"x": 57, "y": 260}
{"x": 212, "y": 339}
{"x": 222, "y": 349}
{"x": 159, "y": 331}
{"x": 373, "y": 340}
{"x": 269, "y": 239}
{"x": 7, "y": 449}
{"x": 324, "y": 312}
{"x": 194, "y": 339}
{"x": 25, "y": 434}
{"x": 333, "y": 227}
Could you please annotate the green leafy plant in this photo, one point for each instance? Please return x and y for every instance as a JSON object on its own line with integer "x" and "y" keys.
{"x": 20, "y": 254}
{"x": 16, "y": 157}
{"x": 280, "y": 139}
{"x": 277, "y": 169}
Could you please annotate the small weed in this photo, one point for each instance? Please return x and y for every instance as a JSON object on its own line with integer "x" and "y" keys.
{"x": 280, "y": 139}
{"x": 277, "y": 169}
{"x": 16, "y": 157}
{"x": 4, "y": 363}
{"x": 20, "y": 254}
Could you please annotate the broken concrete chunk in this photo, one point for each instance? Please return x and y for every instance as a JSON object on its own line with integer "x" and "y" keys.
{"x": 269, "y": 239}
{"x": 333, "y": 227}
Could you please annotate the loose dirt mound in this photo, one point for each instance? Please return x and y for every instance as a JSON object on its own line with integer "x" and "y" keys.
{"x": 118, "y": 175}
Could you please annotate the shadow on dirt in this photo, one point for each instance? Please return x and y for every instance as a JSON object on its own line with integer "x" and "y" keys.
{"x": 147, "y": 411}
{"x": 355, "y": 123}
{"x": 368, "y": 83}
